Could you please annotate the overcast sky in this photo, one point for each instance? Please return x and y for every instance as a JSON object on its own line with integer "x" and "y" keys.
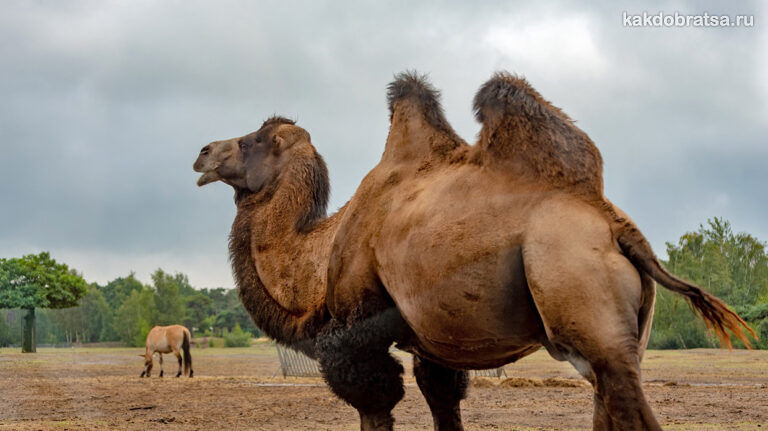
{"x": 105, "y": 105}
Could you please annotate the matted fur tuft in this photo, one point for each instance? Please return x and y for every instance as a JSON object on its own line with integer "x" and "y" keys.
{"x": 538, "y": 139}
{"x": 506, "y": 93}
{"x": 277, "y": 119}
{"x": 412, "y": 85}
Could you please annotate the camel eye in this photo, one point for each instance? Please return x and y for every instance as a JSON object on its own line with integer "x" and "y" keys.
{"x": 243, "y": 145}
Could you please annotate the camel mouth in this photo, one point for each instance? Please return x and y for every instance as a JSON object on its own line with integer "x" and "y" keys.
{"x": 208, "y": 177}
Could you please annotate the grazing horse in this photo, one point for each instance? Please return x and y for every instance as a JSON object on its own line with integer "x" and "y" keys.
{"x": 167, "y": 339}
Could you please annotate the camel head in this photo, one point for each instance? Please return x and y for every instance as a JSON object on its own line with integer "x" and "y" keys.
{"x": 253, "y": 161}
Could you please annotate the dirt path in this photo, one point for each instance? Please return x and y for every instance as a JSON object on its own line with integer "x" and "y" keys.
{"x": 59, "y": 389}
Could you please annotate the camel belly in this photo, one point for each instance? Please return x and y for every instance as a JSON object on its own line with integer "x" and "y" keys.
{"x": 463, "y": 292}
{"x": 478, "y": 313}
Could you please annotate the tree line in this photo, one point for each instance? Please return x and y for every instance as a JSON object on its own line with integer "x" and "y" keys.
{"x": 732, "y": 266}
{"x": 125, "y": 309}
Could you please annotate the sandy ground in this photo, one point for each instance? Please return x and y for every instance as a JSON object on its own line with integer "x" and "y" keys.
{"x": 233, "y": 389}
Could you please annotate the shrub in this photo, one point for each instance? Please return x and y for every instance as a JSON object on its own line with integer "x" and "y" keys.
{"x": 237, "y": 338}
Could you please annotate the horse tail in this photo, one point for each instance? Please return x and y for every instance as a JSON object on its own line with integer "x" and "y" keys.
{"x": 187, "y": 356}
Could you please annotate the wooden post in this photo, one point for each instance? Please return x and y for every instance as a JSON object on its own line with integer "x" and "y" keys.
{"x": 28, "y": 344}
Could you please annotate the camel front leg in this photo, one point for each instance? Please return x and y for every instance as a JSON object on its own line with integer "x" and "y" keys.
{"x": 356, "y": 364}
{"x": 444, "y": 389}
{"x": 160, "y": 359}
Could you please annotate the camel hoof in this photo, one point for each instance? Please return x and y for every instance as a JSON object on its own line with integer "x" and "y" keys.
{"x": 161, "y": 374}
{"x": 178, "y": 375}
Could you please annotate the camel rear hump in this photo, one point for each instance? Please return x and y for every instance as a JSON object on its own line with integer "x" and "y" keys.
{"x": 528, "y": 136}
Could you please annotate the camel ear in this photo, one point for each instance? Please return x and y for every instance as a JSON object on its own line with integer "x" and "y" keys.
{"x": 279, "y": 143}
{"x": 287, "y": 137}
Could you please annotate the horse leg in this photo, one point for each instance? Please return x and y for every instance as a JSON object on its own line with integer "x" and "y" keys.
{"x": 161, "y": 363}
{"x": 443, "y": 388}
{"x": 356, "y": 364}
{"x": 178, "y": 357}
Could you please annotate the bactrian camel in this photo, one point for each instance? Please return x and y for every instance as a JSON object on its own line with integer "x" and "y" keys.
{"x": 467, "y": 256}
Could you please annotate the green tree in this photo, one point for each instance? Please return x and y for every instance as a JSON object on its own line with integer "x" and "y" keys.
{"x": 6, "y": 337}
{"x": 136, "y": 316}
{"x": 37, "y": 281}
{"x": 732, "y": 266}
{"x": 86, "y": 322}
{"x": 168, "y": 299}
{"x": 199, "y": 307}
{"x": 117, "y": 290}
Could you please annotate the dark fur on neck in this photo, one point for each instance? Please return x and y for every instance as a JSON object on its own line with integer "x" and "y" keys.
{"x": 315, "y": 177}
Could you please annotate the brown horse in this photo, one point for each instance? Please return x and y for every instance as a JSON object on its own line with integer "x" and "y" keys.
{"x": 167, "y": 339}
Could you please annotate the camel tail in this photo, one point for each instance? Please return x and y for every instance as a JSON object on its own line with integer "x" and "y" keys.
{"x": 187, "y": 355}
{"x": 711, "y": 309}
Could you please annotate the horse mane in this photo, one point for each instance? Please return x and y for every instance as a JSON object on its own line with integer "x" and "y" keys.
{"x": 521, "y": 126}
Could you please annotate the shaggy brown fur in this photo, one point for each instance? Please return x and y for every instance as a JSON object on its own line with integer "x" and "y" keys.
{"x": 526, "y": 135}
{"x": 414, "y": 105}
{"x": 281, "y": 236}
{"x": 466, "y": 256}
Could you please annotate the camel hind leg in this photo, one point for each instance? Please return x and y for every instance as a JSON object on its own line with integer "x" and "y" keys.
{"x": 444, "y": 389}
{"x": 602, "y": 420}
{"x": 592, "y": 302}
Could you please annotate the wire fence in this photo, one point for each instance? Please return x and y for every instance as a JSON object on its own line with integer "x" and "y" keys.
{"x": 297, "y": 364}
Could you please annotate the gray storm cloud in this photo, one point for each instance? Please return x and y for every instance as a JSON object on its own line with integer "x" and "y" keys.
{"x": 105, "y": 106}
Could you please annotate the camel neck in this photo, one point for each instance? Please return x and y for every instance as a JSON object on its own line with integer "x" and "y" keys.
{"x": 280, "y": 270}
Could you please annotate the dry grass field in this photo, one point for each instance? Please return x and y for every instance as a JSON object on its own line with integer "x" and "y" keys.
{"x": 234, "y": 389}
